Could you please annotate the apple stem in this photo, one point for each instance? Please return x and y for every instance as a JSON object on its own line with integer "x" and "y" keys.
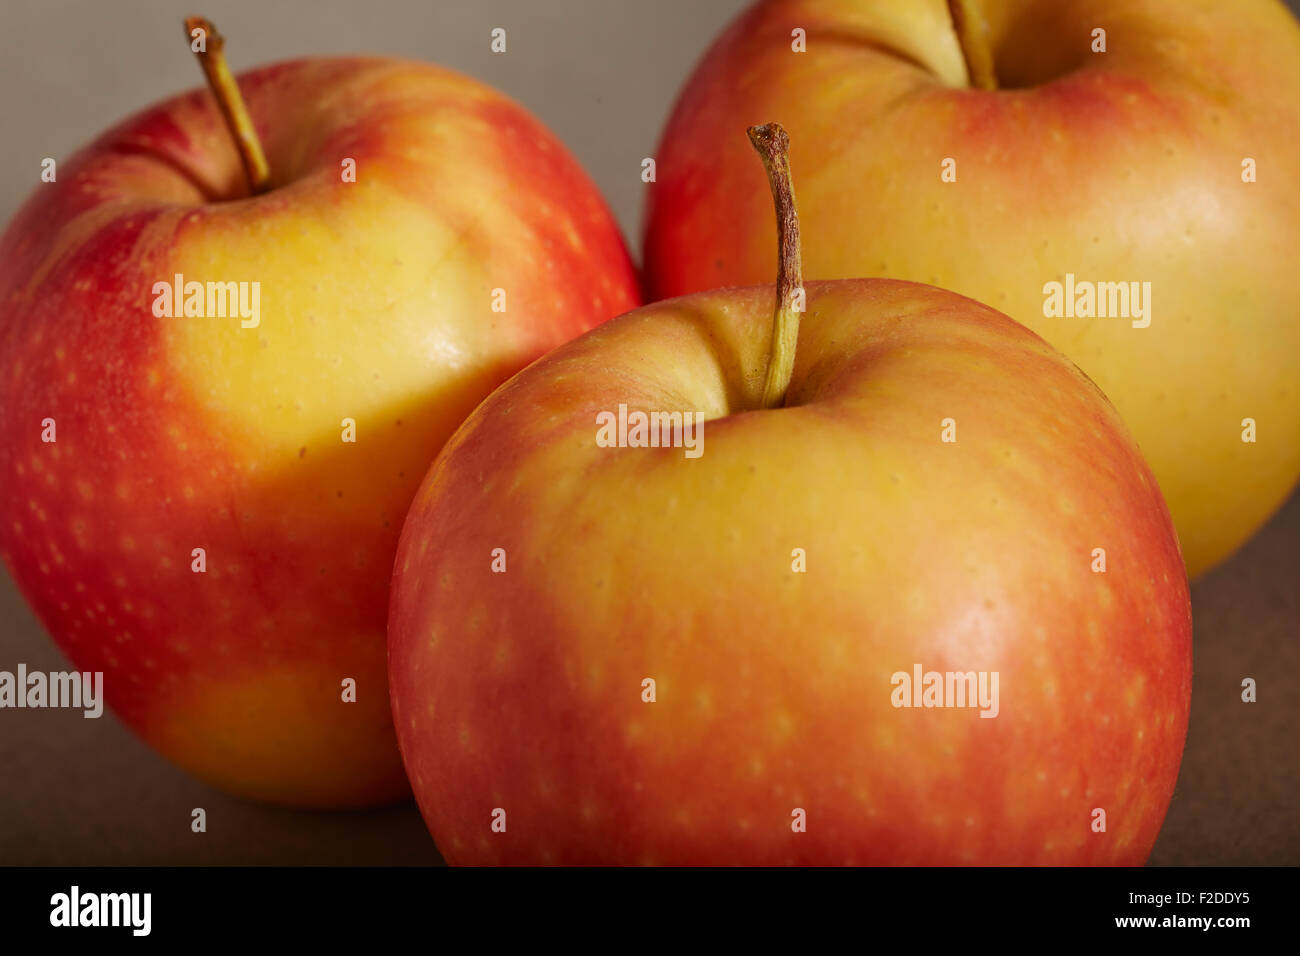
{"x": 773, "y": 145}
{"x": 222, "y": 83}
{"x": 972, "y": 34}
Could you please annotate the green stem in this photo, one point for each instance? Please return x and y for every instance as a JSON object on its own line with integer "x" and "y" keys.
{"x": 222, "y": 83}
{"x": 773, "y": 145}
{"x": 972, "y": 34}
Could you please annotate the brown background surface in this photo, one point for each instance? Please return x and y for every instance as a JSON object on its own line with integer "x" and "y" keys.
{"x": 602, "y": 75}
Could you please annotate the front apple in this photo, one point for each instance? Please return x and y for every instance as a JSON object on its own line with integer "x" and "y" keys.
{"x": 920, "y": 603}
{"x": 210, "y": 515}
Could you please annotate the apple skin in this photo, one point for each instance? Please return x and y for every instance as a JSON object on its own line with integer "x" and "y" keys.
{"x": 1122, "y": 166}
{"x": 180, "y": 433}
{"x": 522, "y": 690}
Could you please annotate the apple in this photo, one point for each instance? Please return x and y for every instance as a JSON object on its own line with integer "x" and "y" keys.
{"x": 1133, "y": 165}
{"x": 202, "y": 529}
{"x": 722, "y": 650}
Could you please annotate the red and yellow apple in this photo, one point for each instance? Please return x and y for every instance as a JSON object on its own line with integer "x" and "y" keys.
{"x": 469, "y": 243}
{"x": 935, "y": 487}
{"x": 1129, "y": 165}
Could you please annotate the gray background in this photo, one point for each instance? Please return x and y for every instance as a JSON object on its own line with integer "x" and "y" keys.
{"x": 602, "y": 75}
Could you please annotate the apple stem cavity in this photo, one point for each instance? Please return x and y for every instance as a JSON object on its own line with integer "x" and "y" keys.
{"x": 222, "y": 83}
{"x": 773, "y": 145}
{"x": 972, "y": 34}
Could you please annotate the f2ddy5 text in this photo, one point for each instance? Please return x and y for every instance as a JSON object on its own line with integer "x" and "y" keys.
{"x": 1182, "y": 897}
